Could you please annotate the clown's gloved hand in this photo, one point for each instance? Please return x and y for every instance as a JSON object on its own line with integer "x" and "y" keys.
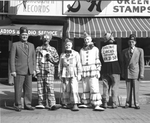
{"x": 79, "y": 77}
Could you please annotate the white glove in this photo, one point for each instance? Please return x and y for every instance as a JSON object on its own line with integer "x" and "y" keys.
{"x": 79, "y": 77}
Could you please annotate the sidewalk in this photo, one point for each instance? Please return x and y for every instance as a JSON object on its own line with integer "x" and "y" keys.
{"x": 7, "y": 92}
{"x": 118, "y": 115}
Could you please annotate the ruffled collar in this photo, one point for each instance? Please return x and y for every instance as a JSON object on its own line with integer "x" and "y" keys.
{"x": 46, "y": 47}
{"x": 68, "y": 51}
{"x": 88, "y": 47}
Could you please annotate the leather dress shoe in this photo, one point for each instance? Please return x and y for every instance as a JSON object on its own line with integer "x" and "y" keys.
{"x": 75, "y": 108}
{"x": 114, "y": 105}
{"x": 137, "y": 107}
{"x": 127, "y": 105}
{"x": 54, "y": 107}
{"x": 18, "y": 109}
{"x": 11, "y": 84}
{"x": 29, "y": 108}
{"x": 105, "y": 105}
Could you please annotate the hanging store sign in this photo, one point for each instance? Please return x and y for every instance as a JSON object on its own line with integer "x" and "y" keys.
{"x": 39, "y": 8}
{"x": 8, "y": 30}
{"x": 107, "y": 7}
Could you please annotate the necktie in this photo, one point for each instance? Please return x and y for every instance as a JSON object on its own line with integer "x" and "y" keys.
{"x": 26, "y": 46}
{"x": 131, "y": 52}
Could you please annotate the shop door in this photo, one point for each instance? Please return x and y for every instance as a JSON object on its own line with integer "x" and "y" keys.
{"x": 4, "y": 55}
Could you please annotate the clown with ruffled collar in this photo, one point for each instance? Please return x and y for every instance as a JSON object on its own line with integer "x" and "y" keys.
{"x": 91, "y": 67}
{"x": 69, "y": 70}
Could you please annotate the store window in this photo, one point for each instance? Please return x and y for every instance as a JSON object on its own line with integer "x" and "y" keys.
{"x": 4, "y": 6}
{"x": 143, "y": 43}
{"x": 4, "y": 54}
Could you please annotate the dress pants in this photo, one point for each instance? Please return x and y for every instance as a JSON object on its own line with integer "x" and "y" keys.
{"x": 110, "y": 86}
{"x": 132, "y": 85}
{"x": 23, "y": 82}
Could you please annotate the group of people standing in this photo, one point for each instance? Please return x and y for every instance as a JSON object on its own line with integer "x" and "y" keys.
{"x": 73, "y": 67}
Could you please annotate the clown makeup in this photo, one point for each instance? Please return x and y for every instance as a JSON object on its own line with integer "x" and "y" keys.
{"x": 46, "y": 39}
{"x": 88, "y": 40}
{"x": 68, "y": 45}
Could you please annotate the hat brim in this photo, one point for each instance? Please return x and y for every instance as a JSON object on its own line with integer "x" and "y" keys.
{"x": 24, "y": 33}
{"x": 131, "y": 40}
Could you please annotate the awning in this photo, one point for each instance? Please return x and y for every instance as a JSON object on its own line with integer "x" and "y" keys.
{"x": 33, "y": 30}
{"x": 97, "y": 27}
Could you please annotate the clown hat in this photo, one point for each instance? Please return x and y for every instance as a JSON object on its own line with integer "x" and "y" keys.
{"x": 86, "y": 34}
{"x": 108, "y": 36}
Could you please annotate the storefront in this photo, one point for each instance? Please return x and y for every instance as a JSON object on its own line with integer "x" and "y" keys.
{"x": 37, "y": 24}
{"x": 120, "y": 17}
{"x": 71, "y": 18}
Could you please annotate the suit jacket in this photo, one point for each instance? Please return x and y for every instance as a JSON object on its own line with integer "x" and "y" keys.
{"x": 22, "y": 61}
{"x": 133, "y": 66}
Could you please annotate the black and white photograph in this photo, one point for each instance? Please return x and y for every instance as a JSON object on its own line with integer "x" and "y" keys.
{"x": 74, "y": 61}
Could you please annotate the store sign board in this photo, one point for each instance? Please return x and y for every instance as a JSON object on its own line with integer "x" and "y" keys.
{"x": 39, "y": 8}
{"x": 107, "y": 7}
{"x": 11, "y": 31}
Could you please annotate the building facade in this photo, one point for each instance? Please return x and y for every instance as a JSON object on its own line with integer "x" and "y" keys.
{"x": 70, "y": 19}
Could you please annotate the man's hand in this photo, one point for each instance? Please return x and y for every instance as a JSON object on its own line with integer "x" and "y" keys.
{"x": 141, "y": 77}
{"x": 14, "y": 74}
{"x": 34, "y": 73}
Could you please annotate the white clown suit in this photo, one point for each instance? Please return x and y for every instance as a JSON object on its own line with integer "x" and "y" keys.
{"x": 69, "y": 69}
{"x": 91, "y": 66}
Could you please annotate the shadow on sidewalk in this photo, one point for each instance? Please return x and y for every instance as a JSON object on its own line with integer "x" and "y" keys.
{"x": 7, "y": 99}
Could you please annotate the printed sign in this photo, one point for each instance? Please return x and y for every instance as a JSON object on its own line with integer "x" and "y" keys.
{"x": 109, "y": 53}
{"x": 107, "y": 7}
{"x": 30, "y": 32}
{"x": 32, "y": 7}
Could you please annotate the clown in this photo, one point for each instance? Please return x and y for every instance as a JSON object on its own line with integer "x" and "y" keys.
{"x": 46, "y": 57}
{"x": 91, "y": 66}
{"x": 70, "y": 74}
{"x": 111, "y": 62}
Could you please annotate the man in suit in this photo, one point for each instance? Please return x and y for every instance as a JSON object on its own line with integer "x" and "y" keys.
{"x": 22, "y": 66}
{"x": 133, "y": 71}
